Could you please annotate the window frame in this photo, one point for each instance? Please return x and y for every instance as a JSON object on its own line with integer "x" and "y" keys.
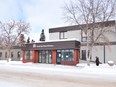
{"x": 0, "y": 54}
{"x": 83, "y": 36}
{"x": 62, "y": 35}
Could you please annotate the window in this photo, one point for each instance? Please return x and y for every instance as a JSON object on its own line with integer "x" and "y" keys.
{"x": 11, "y": 54}
{"x": 28, "y": 55}
{"x": 62, "y": 35}
{"x": 83, "y": 54}
{"x": 0, "y": 54}
{"x": 66, "y": 55}
{"x": 83, "y": 37}
{"x": 5, "y": 54}
{"x": 45, "y": 56}
{"x": 18, "y": 54}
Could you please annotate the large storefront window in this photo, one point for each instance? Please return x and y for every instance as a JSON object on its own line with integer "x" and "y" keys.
{"x": 28, "y": 55}
{"x": 65, "y": 55}
{"x": 45, "y": 56}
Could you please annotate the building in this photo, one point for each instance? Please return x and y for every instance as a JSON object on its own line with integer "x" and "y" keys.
{"x": 100, "y": 49}
{"x": 64, "y": 52}
{"x": 15, "y": 53}
{"x": 66, "y": 46}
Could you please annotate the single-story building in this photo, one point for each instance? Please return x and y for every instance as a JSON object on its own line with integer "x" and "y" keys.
{"x": 64, "y": 52}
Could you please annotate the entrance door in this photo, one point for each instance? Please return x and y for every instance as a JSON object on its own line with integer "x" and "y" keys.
{"x": 58, "y": 58}
{"x": 83, "y": 54}
{"x": 45, "y": 56}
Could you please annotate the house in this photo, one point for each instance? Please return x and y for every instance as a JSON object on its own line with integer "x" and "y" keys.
{"x": 104, "y": 51}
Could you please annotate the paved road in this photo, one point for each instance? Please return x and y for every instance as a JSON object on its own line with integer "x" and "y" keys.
{"x": 17, "y": 78}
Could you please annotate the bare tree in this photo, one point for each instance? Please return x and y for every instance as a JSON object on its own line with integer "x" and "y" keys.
{"x": 94, "y": 14}
{"x": 10, "y": 32}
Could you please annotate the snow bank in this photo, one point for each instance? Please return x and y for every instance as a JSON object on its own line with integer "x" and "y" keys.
{"x": 81, "y": 69}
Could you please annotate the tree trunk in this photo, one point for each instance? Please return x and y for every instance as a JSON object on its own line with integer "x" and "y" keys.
{"x": 8, "y": 58}
{"x": 89, "y": 55}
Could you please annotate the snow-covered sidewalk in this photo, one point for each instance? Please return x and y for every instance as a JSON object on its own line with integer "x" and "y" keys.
{"x": 82, "y": 68}
{"x": 72, "y": 75}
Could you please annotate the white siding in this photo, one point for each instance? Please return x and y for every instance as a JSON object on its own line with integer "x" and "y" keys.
{"x": 111, "y": 53}
{"x": 109, "y": 35}
{"x": 74, "y": 34}
{"x": 54, "y": 36}
{"x": 99, "y": 52}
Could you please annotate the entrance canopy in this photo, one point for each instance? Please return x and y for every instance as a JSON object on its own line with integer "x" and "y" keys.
{"x": 51, "y": 45}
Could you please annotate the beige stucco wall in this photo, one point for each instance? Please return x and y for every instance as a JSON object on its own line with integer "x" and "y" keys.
{"x": 15, "y": 54}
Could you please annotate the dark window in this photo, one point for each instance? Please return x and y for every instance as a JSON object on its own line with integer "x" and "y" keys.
{"x": 18, "y": 54}
{"x": 28, "y": 55}
{"x": 83, "y": 54}
{"x": 5, "y": 54}
{"x": 62, "y": 35}
{"x": 11, "y": 54}
{"x": 0, "y": 54}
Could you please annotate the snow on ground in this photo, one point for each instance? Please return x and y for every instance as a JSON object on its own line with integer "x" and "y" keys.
{"x": 9, "y": 84}
{"x": 102, "y": 69}
{"x": 102, "y": 72}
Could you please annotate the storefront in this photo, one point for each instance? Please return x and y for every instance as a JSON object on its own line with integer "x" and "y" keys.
{"x": 55, "y": 52}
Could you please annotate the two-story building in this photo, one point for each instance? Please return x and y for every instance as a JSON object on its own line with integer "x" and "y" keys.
{"x": 66, "y": 46}
{"x": 101, "y": 49}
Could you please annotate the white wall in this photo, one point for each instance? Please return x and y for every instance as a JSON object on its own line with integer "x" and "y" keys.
{"x": 74, "y": 34}
{"x": 111, "y": 53}
{"x": 54, "y": 36}
{"x": 99, "y": 52}
{"x": 109, "y": 35}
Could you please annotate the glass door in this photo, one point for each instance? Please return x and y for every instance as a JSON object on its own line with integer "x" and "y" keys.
{"x": 45, "y": 56}
{"x": 59, "y": 57}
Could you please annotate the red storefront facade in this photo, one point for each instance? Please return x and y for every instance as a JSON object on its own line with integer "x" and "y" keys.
{"x": 57, "y": 52}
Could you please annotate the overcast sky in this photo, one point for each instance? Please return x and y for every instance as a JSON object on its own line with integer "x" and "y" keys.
{"x": 41, "y": 14}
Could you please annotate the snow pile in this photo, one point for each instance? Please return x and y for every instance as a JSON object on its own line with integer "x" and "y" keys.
{"x": 80, "y": 69}
{"x": 111, "y": 63}
{"x": 3, "y": 61}
{"x": 13, "y": 62}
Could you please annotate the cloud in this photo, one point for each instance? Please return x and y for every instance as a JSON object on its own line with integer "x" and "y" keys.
{"x": 41, "y": 14}
{"x": 9, "y": 10}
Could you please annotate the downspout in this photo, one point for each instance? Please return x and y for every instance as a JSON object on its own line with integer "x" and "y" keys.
{"x": 104, "y": 53}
